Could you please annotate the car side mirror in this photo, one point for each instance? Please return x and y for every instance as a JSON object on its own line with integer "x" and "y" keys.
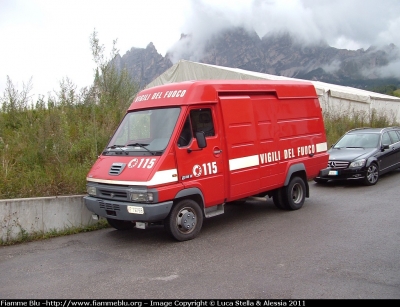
{"x": 384, "y": 146}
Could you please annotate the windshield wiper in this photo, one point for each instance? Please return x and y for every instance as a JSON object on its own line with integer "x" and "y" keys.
{"x": 141, "y": 145}
{"x": 138, "y": 144}
{"x": 119, "y": 147}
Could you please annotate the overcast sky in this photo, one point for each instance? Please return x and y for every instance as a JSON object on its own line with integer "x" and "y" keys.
{"x": 49, "y": 39}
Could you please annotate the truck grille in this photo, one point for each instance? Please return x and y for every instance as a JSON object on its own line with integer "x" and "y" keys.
{"x": 117, "y": 195}
{"x": 337, "y": 164}
{"x": 107, "y": 206}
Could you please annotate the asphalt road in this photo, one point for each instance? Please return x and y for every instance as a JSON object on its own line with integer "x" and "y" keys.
{"x": 343, "y": 244}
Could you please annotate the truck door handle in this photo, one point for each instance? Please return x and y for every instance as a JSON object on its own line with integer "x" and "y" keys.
{"x": 217, "y": 151}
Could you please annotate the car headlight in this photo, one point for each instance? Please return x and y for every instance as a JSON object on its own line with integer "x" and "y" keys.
{"x": 91, "y": 190}
{"x": 358, "y": 163}
{"x": 141, "y": 196}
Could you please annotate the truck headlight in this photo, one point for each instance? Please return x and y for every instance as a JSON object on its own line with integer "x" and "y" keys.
{"x": 91, "y": 190}
{"x": 358, "y": 163}
{"x": 141, "y": 197}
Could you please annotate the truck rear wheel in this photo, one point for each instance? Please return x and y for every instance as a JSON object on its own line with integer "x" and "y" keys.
{"x": 120, "y": 225}
{"x": 184, "y": 221}
{"x": 277, "y": 199}
{"x": 294, "y": 194}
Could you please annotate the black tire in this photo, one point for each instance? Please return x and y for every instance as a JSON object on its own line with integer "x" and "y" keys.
{"x": 294, "y": 194}
{"x": 277, "y": 199}
{"x": 120, "y": 225}
{"x": 319, "y": 180}
{"x": 372, "y": 175}
{"x": 184, "y": 221}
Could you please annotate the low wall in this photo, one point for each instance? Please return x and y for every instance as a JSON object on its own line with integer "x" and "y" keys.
{"x": 43, "y": 214}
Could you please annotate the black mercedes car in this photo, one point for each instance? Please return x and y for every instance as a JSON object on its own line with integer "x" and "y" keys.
{"x": 363, "y": 154}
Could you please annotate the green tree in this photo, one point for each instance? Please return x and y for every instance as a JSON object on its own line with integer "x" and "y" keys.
{"x": 386, "y": 89}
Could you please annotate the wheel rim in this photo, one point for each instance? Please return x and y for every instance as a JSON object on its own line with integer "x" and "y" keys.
{"x": 297, "y": 193}
{"x": 372, "y": 173}
{"x": 186, "y": 220}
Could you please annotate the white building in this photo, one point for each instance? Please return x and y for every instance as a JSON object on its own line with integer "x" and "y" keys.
{"x": 333, "y": 98}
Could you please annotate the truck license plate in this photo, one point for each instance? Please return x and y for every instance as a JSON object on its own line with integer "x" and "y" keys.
{"x": 333, "y": 173}
{"x": 136, "y": 210}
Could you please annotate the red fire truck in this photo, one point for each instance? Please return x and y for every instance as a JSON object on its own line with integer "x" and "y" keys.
{"x": 184, "y": 150}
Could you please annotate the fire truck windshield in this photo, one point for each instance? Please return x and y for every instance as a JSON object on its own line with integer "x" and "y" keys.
{"x": 144, "y": 132}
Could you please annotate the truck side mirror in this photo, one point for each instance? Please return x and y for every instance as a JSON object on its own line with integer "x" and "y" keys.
{"x": 201, "y": 139}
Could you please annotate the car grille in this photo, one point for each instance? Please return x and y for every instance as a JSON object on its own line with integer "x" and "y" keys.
{"x": 338, "y": 164}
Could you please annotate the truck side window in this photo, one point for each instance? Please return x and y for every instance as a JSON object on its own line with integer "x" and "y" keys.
{"x": 202, "y": 121}
{"x": 186, "y": 134}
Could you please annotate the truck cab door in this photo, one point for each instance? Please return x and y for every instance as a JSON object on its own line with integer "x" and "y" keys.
{"x": 201, "y": 168}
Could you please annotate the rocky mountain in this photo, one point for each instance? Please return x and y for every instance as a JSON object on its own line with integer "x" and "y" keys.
{"x": 272, "y": 54}
{"x": 143, "y": 64}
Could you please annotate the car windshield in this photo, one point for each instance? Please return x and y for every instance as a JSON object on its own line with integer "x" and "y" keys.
{"x": 358, "y": 140}
{"x": 144, "y": 132}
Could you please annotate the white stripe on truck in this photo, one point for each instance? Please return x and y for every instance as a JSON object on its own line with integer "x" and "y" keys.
{"x": 321, "y": 147}
{"x": 244, "y": 162}
{"x": 160, "y": 177}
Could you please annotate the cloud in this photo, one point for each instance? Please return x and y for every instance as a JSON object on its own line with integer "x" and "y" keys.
{"x": 206, "y": 19}
{"x": 49, "y": 40}
{"x": 392, "y": 70}
{"x": 342, "y": 24}
{"x": 332, "y": 67}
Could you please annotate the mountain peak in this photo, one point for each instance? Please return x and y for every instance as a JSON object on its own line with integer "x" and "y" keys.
{"x": 277, "y": 53}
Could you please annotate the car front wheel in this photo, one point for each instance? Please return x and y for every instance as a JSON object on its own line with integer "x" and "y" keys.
{"x": 372, "y": 175}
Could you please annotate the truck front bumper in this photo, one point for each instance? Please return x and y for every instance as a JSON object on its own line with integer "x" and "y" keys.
{"x": 119, "y": 210}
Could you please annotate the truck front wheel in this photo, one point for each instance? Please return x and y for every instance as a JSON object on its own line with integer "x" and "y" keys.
{"x": 120, "y": 225}
{"x": 185, "y": 220}
{"x": 294, "y": 194}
